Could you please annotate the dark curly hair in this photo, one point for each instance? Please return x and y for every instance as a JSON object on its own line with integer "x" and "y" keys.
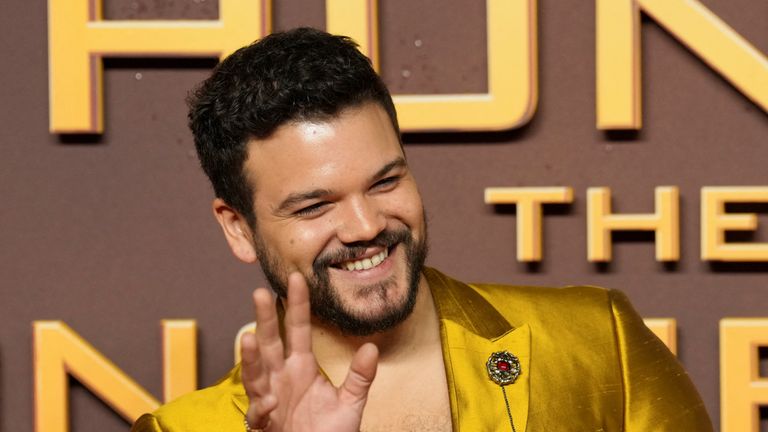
{"x": 302, "y": 74}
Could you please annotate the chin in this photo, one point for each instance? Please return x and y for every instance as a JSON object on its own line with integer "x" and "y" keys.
{"x": 368, "y": 308}
{"x": 377, "y": 300}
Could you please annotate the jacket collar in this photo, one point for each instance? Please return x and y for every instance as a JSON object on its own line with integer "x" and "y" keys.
{"x": 471, "y": 329}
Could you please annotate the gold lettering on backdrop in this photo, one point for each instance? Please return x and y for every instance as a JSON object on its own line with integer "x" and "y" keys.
{"x": 665, "y": 329}
{"x": 528, "y": 202}
{"x": 742, "y": 389}
{"x": 59, "y": 351}
{"x": 601, "y": 222}
{"x": 715, "y": 222}
{"x": 664, "y": 222}
{"x": 78, "y": 39}
{"x": 179, "y": 358}
{"x": 617, "y": 71}
{"x": 358, "y": 19}
{"x": 512, "y": 79}
{"x": 618, "y": 67}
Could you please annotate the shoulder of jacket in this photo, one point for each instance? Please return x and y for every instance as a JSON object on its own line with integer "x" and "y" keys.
{"x": 570, "y": 293}
{"x": 527, "y": 297}
{"x": 201, "y": 405}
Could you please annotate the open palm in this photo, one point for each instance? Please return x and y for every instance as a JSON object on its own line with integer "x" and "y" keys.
{"x": 284, "y": 385}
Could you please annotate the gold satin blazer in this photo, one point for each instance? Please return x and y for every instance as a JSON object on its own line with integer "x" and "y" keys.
{"x": 587, "y": 361}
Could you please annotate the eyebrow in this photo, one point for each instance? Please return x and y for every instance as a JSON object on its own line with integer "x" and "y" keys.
{"x": 397, "y": 163}
{"x": 297, "y": 197}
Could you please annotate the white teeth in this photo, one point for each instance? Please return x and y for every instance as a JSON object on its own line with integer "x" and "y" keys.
{"x": 366, "y": 263}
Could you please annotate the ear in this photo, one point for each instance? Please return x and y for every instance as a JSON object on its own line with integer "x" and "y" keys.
{"x": 236, "y": 231}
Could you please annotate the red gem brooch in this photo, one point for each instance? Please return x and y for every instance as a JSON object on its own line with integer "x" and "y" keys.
{"x": 503, "y": 368}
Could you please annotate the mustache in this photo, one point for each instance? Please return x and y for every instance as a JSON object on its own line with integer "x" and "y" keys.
{"x": 386, "y": 238}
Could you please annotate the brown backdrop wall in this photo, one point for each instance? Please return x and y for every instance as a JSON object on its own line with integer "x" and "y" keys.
{"x": 113, "y": 233}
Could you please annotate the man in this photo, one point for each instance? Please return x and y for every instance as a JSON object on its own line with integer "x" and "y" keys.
{"x": 300, "y": 139}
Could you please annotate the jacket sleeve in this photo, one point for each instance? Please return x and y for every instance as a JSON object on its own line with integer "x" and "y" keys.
{"x": 658, "y": 394}
{"x": 146, "y": 423}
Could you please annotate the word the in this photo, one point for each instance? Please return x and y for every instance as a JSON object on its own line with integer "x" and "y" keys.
{"x": 664, "y": 222}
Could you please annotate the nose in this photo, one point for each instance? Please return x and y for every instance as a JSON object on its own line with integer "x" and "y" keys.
{"x": 362, "y": 220}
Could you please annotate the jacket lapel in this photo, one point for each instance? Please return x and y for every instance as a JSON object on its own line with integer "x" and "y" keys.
{"x": 239, "y": 398}
{"x": 471, "y": 330}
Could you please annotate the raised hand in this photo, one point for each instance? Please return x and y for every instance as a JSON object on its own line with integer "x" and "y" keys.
{"x": 283, "y": 382}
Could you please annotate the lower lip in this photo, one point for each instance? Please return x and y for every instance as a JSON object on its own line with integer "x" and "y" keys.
{"x": 372, "y": 274}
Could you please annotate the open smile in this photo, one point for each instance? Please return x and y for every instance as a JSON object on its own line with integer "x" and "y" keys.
{"x": 366, "y": 261}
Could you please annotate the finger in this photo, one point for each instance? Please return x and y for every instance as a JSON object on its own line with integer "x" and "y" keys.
{"x": 268, "y": 330}
{"x": 258, "y": 412}
{"x": 298, "y": 330}
{"x": 362, "y": 371}
{"x": 255, "y": 377}
{"x": 256, "y": 382}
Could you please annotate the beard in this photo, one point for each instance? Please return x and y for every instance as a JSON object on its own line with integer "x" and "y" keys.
{"x": 325, "y": 301}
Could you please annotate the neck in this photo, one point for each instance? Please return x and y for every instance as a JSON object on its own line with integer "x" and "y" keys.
{"x": 419, "y": 331}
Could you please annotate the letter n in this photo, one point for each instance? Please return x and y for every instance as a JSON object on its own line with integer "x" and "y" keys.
{"x": 704, "y": 33}
{"x": 59, "y": 352}
{"x": 78, "y": 39}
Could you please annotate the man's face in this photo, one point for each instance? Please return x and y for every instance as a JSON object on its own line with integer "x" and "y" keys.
{"x": 335, "y": 201}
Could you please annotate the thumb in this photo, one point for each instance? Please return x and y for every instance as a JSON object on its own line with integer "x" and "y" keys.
{"x": 355, "y": 388}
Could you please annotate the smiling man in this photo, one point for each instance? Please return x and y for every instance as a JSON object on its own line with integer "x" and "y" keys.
{"x": 356, "y": 217}
{"x": 300, "y": 140}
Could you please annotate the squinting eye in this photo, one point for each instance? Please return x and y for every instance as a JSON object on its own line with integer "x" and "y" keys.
{"x": 389, "y": 181}
{"x": 314, "y": 208}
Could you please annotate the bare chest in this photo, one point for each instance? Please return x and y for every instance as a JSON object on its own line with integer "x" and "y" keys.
{"x": 414, "y": 422}
{"x": 413, "y": 399}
